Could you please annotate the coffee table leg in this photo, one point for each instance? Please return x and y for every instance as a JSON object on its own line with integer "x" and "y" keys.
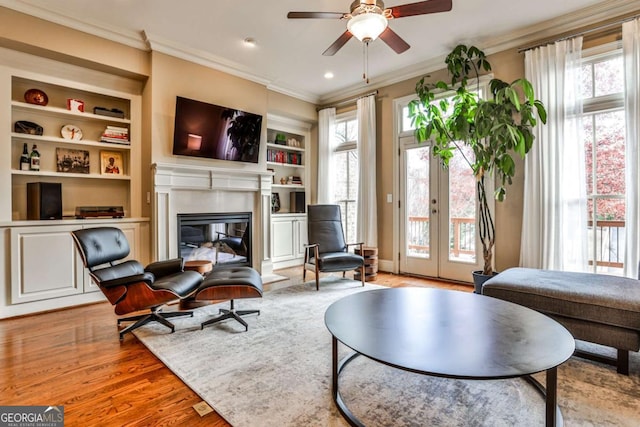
{"x": 551, "y": 397}
{"x": 334, "y": 369}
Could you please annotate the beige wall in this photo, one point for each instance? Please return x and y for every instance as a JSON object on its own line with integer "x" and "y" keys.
{"x": 176, "y": 77}
{"x": 171, "y": 77}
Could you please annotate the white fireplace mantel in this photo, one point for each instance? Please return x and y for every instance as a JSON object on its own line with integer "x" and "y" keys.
{"x": 180, "y": 188}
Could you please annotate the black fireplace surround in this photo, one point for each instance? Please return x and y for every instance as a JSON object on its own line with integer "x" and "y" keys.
{"x": 222, "y": 238}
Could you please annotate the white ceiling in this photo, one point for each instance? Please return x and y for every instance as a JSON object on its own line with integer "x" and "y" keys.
{"x": 288, "y": 56}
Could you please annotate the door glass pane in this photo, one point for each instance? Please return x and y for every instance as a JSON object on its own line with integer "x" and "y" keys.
{"x": 417, "y": 202}
{"x": 462, "y": 208}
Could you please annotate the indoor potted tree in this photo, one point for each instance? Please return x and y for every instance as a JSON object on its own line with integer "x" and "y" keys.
{"x": 494, "y": 128}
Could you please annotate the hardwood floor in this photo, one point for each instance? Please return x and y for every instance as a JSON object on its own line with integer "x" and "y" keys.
{"x": 73, "y": 358}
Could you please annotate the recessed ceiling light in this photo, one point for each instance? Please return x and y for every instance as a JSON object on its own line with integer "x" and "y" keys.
{"x": 328, "y": 75}
{"x": 250, "y": 42}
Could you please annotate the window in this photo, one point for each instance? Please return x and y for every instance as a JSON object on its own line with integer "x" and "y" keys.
{"x": 345, "y": 165}
{"x": 602, "y": 91}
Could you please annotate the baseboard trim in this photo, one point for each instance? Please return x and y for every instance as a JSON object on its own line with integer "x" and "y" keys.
{"x": 386, "y": 265}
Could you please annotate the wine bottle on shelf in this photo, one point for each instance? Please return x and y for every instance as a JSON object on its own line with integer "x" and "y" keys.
{"x": 25, "y": 162}
{"x": 34, "y": 159}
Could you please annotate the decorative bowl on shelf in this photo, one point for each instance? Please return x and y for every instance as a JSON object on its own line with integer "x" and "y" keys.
{"x": 36, "y": 96}
{"x": 30, "y": 128}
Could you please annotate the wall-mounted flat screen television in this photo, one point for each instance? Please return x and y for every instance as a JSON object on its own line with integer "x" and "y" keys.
{"x": 215, "y": 132}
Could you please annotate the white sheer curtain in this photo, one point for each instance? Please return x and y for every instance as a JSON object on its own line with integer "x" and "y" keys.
{"x": 554, "y": 224}
{"x": 367, "y": 204}
{"x": 326, "y": 138}
{"x": 631, "y": 53}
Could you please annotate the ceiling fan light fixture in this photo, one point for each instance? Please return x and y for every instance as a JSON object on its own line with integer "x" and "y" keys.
{"x": 367, "y": 27}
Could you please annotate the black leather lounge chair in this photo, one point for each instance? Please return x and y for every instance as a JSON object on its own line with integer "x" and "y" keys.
{"x": 127, "y": 285}
{"x": 327, "y": 250}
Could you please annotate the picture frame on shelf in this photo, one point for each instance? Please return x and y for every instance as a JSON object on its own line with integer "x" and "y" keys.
{"x": 72, "y": 160}
{"x": 275, "y": 202}
{"x": 111, "y": 163}
{"x": 273, "y": 176}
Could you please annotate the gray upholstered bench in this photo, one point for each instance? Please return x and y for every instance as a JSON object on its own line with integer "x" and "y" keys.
{"x": 598, "y": 308}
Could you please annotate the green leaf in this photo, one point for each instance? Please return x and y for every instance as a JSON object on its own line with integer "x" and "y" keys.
{"x": 513, "y": 97}
{"x": 542, "y": 113}
{"x": 527, "y": 88}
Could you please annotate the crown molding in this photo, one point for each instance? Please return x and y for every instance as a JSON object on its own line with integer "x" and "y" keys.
{"x": 159, "y": 44}
{"x": 128, "y": 38}
{"x": 303, "y": 96}
{"x": 387, "y": 79}
{"x": 178, "y": 50}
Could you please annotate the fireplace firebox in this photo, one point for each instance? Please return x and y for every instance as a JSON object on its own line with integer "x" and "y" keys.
{"x": 222, "y": 238}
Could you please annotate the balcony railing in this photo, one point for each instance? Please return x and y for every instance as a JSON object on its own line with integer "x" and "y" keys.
{"x": 606, "y": 240}
{"x": 462, "y": 232}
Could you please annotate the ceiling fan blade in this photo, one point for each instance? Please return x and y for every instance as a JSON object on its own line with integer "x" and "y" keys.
{"x": 394, "y": 41}
{"x": 337, "y": 45}
{"x": 420, "y": 8}
{"x": 315, "y": 15}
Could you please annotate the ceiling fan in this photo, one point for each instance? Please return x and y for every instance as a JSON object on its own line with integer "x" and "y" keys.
{"x": 368, "y": 20}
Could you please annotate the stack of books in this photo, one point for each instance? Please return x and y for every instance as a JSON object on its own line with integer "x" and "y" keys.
{"x": 295, "y": 180}
{"x": 115, "y": 135}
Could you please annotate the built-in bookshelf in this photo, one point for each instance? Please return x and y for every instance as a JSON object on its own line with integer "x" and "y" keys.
{"x": 288, "y": 158}
{"x": 77, "y": 132}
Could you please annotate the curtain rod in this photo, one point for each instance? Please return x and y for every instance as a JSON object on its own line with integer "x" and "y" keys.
{"x": 347, "y": 101}
{"x": 582, "y": 33}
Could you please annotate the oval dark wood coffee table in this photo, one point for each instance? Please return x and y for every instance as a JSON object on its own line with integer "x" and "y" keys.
{"x": 449, "y": 334}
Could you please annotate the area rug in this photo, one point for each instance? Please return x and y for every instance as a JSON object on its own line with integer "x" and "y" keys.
{"x": 279, "y": 374}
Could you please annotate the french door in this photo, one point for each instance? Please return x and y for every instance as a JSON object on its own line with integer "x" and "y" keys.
{"x": 437, "y": 215}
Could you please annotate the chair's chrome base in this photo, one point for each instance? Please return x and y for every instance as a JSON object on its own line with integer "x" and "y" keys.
{"x": 232, "y": 313}
{"x": 154, "y": 316}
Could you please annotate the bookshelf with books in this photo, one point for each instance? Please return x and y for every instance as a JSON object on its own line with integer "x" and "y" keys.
{"x": 288, "y": 158}
{"x": 67, "y": 133}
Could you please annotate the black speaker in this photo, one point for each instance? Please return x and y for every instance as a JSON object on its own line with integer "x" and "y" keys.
{"x": 44, "y": 200}
{"x": 297, "y": 202}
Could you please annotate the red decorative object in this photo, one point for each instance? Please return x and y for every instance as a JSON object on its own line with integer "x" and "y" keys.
{"x": 36, "y": 96}
{"x": 75, "y": 105}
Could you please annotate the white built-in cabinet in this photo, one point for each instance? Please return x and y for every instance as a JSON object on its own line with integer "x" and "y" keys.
{"x": 289, "y": 237}
{"x": 45, "y": 263}
{"x": 44, "y": 269}
{"x": 289, "y": 161}
{"x": 39, "y": 264}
